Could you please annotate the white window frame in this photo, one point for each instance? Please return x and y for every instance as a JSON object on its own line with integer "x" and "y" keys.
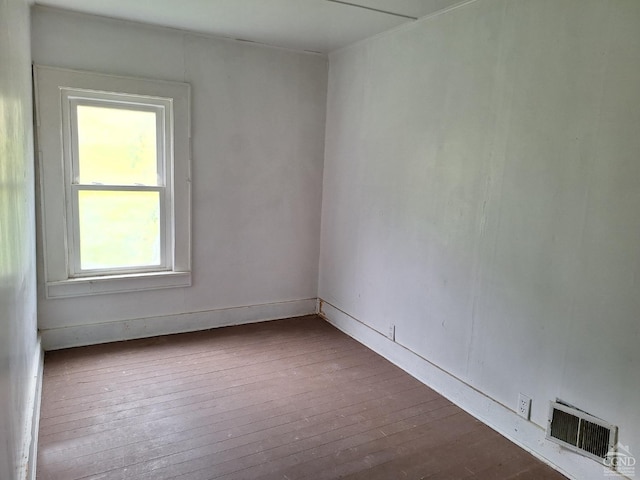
{"x": 58, "y": 93}
{"x": 162, "y": 107}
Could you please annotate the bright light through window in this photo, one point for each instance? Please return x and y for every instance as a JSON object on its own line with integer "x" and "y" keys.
{"x": 119, "y": 229}
{"x": 119, "y": 186}
{"x": 117, "y": 146}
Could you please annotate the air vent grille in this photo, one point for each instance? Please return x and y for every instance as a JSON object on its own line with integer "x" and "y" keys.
{"x": 579, "y": 431}
{"x": 564, "y": 426}
{"x": 594, "y": 438}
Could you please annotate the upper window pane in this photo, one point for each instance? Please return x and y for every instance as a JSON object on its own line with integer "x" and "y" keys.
{"x": 116, "y": 146}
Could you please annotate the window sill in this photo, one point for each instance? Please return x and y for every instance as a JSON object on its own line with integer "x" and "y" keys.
{"x": 78, "y": 287}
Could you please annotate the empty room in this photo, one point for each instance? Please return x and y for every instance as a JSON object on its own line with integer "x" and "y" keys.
{"x": 319, "y": 239}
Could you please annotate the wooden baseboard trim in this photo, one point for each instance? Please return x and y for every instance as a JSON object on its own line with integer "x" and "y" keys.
{"x": 91, "y": 334}
{"x": 32, "y": 416}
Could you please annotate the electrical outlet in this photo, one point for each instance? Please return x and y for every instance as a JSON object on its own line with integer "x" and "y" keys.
{"x": 524, "y": 406}
{"x": 392, "y": 332}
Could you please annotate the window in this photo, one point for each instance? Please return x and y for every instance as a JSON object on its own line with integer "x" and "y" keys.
{"x": 115, "y": 197}
{"x": 118, "y": 187}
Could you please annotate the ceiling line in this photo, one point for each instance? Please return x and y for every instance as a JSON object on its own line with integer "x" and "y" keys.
{"x": 373, "y": 9}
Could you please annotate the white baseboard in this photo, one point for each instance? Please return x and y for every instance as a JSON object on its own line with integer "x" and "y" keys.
{"x": 505, "y": 421}
{"x": 32, "y": 416}
{"x": 91, "y": 334}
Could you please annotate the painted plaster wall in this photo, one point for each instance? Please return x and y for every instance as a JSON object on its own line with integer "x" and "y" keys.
{"x": 18, "y": 337}
{"x": 258, "y": 117}
{"x": 482, "y": 194}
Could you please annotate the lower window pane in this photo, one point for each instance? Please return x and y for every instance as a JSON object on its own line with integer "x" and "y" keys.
{"x": 119, "y": 229}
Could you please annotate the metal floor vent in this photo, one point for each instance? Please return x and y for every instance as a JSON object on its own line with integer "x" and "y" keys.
{"x": 581, "y": 432}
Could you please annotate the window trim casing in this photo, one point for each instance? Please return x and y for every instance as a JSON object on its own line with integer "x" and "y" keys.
{"x": 50, "y": 84}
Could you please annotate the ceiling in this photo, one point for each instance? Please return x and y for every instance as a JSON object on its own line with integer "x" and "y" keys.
{"x": 312, "y": 25}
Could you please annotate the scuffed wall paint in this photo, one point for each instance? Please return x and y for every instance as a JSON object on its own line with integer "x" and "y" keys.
{"x": 18, "y": 340}
{"x": 481, "y": 193}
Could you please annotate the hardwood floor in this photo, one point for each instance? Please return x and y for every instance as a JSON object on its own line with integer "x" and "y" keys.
{"x": 287, "y": 399}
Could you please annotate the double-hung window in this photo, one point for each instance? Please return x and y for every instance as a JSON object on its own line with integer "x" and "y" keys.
{"x": 114, "y": 166}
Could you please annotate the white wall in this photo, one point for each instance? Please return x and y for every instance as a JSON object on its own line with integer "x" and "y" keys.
{"x": 258, "y": 117}
{"x": 482, "y": 193}
{"x": 19, "y": 347}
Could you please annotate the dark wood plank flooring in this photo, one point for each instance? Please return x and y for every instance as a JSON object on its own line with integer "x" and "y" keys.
{"x": 287, "y": 399}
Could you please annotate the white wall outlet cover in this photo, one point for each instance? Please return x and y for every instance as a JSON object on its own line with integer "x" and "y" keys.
{"x": 524, "y": 406}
